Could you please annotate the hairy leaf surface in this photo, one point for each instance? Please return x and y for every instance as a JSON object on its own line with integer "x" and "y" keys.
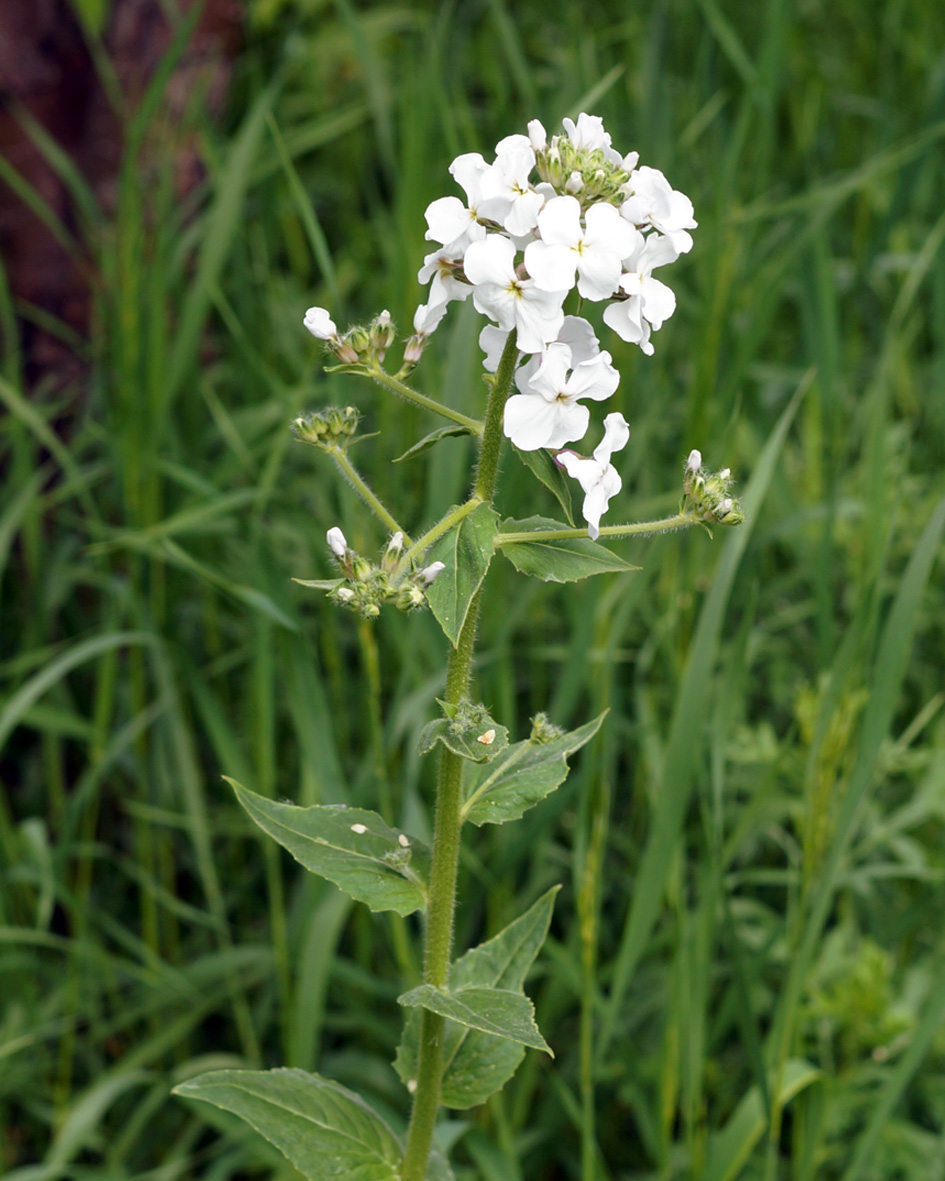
{"x": 351, "y": 847}
{"x": 324, "y": 1129}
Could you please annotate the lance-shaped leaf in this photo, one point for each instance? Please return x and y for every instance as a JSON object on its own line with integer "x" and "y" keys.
{"x": 498, "y": 1011}
{"x": 465, "y": 551}
{"x": 523, "y": 774}
{"x": 468, "y": 731}
{"x": 430, "y": 440}
{"x": 566, "y": 559}
{"x": 351, "y": 847}
{"x": 476, "y": 1064}
{"x": 324, "y": 1129}
{"x": 544, "y": 467}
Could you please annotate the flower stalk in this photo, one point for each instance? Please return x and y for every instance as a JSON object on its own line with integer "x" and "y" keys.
{"x": 448, "y": 820}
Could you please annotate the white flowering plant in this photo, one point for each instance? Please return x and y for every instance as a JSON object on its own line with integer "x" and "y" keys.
{"x": 549, "y": 226}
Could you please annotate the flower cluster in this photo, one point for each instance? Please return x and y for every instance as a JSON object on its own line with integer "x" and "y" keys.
{"x": 544, "y": 218}
{"x": 707, "y": 495}
{"x": 368, "y": 585}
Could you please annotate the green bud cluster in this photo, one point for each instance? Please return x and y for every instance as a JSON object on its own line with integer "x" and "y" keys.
{"x": 367, "y": 343}
{"x": 544, "y": 730}
{"x": 368, "y": 585}
{"x": 332, "y": 427}
{"x": 708, "y": 496}
{"x": 561, "y": 164}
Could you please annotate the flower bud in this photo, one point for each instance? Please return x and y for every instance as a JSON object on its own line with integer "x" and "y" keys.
{"x": 337, "y": 542}
{"x": 694, "y": 462}
{"x": 429, "y": 573}
{"x": 320, "y": 324}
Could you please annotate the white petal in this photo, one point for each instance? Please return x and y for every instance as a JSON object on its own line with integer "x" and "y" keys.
{"x": 616, "y": 434}
{"x": 447, "y": 218}
{"x": 552, "y": 267}
{"x": 320, "y": 324}
{"x": 551, "y": 378}
{"x": 659, "y": 301}
{"x": 578, "y": 333}
{"x": 492, "y": 342}
{"x": 529, "y": 421}
{"x": 490, "y": 261}
{"x": 523, "y": 216}
{"x": 598, "y": 274}
{"x": 596, "y": 379}
{"x": 560, "y": 222}
{"x": 538, "y": 316}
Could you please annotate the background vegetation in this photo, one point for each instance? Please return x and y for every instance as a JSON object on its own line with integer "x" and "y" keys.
{"x": 746, "y": 972}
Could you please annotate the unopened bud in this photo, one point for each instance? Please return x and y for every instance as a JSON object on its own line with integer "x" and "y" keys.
{"x": 344, "y": 594}
{"x": 694, "y": 462}
{"x": 429, "y": 573}
{"x": 336, "y": 542}
{"x": 574, "y": 183}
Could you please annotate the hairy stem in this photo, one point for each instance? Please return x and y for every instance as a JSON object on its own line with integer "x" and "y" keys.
{"x": 639, "y": 529}
{"x": 448, "y": 821}
{"x": 357, "y": 482}
{"x": 402, "y": 390}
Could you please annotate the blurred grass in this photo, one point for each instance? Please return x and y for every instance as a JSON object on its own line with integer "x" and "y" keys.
{"x": 744, "y": 974}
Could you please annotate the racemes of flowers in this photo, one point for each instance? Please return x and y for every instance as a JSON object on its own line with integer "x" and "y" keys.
{"x": 546, "y": 218}
{"x": 545, "y": 223}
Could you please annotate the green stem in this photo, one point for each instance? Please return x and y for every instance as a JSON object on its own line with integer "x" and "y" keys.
{"x": 448, "y": 821}
{"x": 640, "y": 529}
{"x": 402, "y": 390}
{"x": 453, "y": 517}
{"x": 357, "y": 482}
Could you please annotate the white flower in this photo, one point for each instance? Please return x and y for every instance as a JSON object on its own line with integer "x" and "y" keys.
{"x": 512, "y": 201}
{"x": 336, "y": 542}
{"x": 320, "y": 324}
{"x": 655, "y": 203}
{"x": 596, "y": 476}
{"x": 588, "y": 133}
{"x": 450, "y": 222}
{"x": 440, "y": 266}
{"x": 594, "y": 251}
{"x": 694, "y": 462}
{"x": 513, "y": 302}
{"x": 547, "y": 412}
{"x": 575, "y": 332}
{"x": 651, "y": 302}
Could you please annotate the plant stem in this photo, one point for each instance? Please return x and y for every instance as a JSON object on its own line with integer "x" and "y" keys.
{"x": 640, "y": 529}
{"x": 396, "y": 386}
{"x": 453, "y": 517}
{"x": 357, "y": 482}
{"x": 448, "y": 820}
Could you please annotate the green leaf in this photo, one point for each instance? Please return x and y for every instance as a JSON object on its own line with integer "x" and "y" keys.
{"x": 729, "y": 1149}
{"x": 327, "y": 584}
{"x": 470, "y": 733}
{"x": 351, "y": 847}
{"x": 477, "y": 1064}
{"x": 542, "y": 464}
{"x": 498, "y": 1011}
{"x": 324, "y": 1129}
{"x": 466, "y": 551}
{"x": 430, "y": 440}
{"x": 564, "y": 560}
{"x": 524, "y": 774}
